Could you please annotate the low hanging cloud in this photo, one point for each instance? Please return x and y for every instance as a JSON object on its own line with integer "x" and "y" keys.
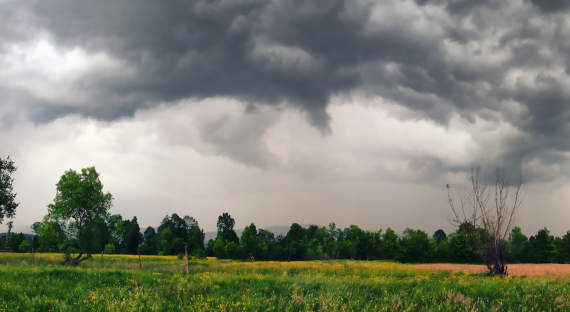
{"x": 389, "y": 169}
{"x": 486, "y": 62}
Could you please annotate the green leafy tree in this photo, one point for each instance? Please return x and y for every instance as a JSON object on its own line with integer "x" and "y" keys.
{"x": 374, "y": 245}
{"x": 441, "y": 248}
{"x": 442, "y": 252}
{"x": 354, "y": 243}
{"x": 14, "y": 241}
{"x": 116, "y": 231}
{"x": 226, "y": 244}
{"x": 271, "y": 250}
{"x": 334, "y": 234}
{"x": 462, "y": 249}
{"x": 295, "y": 243}
{"x": 133, "y": 237}
{"x": 177, "y": 225}
{"x": 93, "y": 236}
{"x": 317, "y": 239}
{"x": 224, "y": 250}
{"x": 149, "y": 241}
{"x": 167, "y": 243}
{"x": 251, "y": 245}
{"x": 439, "y": 236}
{"x": 80, "y": 205}
{"x": 218, "y": 248}
{"x": 562, "y": 246}
{"x": 8, "y": 202}
{"x": 195, "y": 241}
{"x": 416, "y": 246}
{"x": 226, "y": 228}
{"x": 50, "y": 235}
{"x": 182, "y": 233}
{"x": 517, "y": 247}
{"x": 541, "y": 247}
{"x": 25, "y": 246}
{"x": 391, "y": 246}
{"x": 109, "y": 248}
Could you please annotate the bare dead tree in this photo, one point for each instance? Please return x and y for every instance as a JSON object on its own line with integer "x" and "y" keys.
{"x": 488, "y": 218}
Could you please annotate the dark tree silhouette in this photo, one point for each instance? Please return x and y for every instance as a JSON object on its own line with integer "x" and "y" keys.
{"x": 487, "y": 214}
{"x": 439, "y": 236}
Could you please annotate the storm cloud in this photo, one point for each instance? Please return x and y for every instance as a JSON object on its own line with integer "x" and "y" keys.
{"x": 480, "y": 82}
{"x": 492, "y": 60}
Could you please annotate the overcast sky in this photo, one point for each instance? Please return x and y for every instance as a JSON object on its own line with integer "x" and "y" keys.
{"x": 280, "y": 111}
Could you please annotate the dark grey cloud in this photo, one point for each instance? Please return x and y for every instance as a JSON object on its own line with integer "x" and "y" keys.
{"x": 551, "y": 5}
{"x": 261, "y": 51}
{"x": 478, "y": 59}
{"x": 255, "y": 50}
{"x": 460, "y": 7}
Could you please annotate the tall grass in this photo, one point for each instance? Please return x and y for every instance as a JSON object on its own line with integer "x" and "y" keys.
{"x": 214, "y": 285}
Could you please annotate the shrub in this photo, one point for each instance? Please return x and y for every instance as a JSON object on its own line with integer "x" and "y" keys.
{"x": 25, "y": 246}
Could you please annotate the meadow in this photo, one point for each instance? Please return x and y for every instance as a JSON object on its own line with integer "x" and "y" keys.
{"x": 223, "y": 285}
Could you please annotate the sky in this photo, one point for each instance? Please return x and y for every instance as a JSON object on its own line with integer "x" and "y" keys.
{"x": 281, "y": 111}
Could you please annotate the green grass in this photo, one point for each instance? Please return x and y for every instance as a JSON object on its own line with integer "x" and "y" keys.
{"x": 215, "y": 285}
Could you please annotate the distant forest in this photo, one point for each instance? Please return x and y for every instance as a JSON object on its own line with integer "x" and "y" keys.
{"x": 78, "y": 223}
{"x": 176, "y": 233}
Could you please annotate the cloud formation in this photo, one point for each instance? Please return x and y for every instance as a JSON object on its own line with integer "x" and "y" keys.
{"x": 492, "y": 60}
{"x": 364, "y": 173}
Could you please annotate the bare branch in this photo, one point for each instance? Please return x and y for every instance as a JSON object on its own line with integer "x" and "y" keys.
{"x": 488, "y": 226}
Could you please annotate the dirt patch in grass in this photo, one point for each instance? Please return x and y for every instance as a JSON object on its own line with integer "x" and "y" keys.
{"x": 530, "y": 269}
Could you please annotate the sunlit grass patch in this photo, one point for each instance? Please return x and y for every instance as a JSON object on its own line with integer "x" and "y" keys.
{"x": 225, "y": 285}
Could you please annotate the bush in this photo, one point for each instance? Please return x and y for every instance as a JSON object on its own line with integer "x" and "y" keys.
{"x": 14, "y": 241}
{"x": 199, "y": 253}
{"x": 25, "y": 246}
{"x": 109, "y": 248}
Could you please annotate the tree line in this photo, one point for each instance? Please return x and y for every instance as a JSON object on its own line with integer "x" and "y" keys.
{"x": 78, "y": 223}
{"x": 313, "y": 242}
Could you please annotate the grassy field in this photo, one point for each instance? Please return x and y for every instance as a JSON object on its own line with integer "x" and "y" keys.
{"x": 215, "y": 285}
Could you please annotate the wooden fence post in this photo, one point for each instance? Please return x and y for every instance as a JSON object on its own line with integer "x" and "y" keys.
{"x": 186, "y": 257}
{"x": 102, "y": 258}
{"x": 140, "y": 262}
{"x": 33, "y": 257}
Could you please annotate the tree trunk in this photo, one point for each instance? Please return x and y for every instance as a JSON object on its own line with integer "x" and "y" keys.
{"x": 500, "y": 265}
{"x": 69, "y": 260}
